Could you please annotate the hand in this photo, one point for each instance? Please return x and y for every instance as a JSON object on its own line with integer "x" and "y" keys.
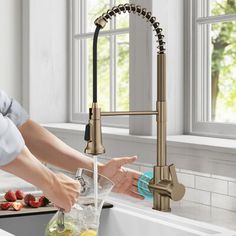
{"x": 124, "y": 179}
{"x": 63, "y": 191}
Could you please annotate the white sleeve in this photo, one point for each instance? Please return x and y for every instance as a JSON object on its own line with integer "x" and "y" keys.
{"x": 11, "y": 141}
{"x": 12, "y": 109}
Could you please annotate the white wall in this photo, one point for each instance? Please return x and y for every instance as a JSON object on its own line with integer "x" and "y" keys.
{"x": 171, "y": 16}
{"x": 45, "y": 59}
{"x": 10, "y": 47}
{"x": 33, "y": 56}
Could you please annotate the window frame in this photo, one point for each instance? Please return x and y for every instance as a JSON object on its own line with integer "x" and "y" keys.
{"x": 75, "y": 99}
{"x": 142, "y": 63}
{"x": 193, "y": 84}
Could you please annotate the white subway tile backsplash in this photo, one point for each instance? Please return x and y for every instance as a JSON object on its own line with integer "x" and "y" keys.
{"x": 211, "y": 185}
{"x": 203, "y": 188}
{"x": 134, "y": 167}
{"x": 198, "y": 196}
{"x": 223, "y": 201}
{"x": 186, "y": 179}
{"x": 195, "y": 173}
{"x": 223, "y": 178}
{"x": 146, "y": 169}
{"x": 232, "y": 189}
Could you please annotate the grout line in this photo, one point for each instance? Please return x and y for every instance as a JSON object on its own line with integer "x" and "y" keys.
{"x": 211, "y": 195}
{"x": 228, "y": 188}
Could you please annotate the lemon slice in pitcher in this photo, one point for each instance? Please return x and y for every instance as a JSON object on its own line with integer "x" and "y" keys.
{"x": 88, "y": 232}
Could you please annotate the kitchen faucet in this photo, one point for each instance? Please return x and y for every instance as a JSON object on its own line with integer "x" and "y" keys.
{"x": 164, "y": 185}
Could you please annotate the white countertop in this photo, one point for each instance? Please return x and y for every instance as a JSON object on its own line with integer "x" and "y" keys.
{"x": 11, "y": 182}
{"x": 190, "y": 210}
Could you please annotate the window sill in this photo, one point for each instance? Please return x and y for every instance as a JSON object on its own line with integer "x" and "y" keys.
{"x": 200, "y": 142}
{"x": 197, "y": 153}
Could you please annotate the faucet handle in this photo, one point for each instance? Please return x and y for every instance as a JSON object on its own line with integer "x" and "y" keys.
{"x": 173, "y": 174}
{"x": 177, "y": 190}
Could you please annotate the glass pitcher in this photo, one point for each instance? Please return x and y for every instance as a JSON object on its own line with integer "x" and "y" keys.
{"x": 83, "y": 219}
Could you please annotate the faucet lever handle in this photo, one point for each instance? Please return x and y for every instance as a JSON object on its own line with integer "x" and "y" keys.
{"x": 173, "y": 174}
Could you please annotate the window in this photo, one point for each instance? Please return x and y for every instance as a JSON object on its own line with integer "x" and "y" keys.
{"x": 212, "y": 57}
{"x": 113, "y": 60}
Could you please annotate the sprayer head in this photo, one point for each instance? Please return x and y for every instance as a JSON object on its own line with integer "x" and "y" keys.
{"x": 93, "y": 132}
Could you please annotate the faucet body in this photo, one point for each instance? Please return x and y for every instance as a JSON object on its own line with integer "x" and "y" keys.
{"x": 164, "y": 185}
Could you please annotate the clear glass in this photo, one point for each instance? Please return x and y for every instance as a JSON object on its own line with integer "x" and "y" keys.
{"x": 122, "y": 73}
{"x": 94, "y": 9}
{"x": 223, "y": 72}
{"x": 222, "y": 7}
{"x": 122, "y": 20}
{"x": 83, "y": 219}
{"x": 103, "y": 66}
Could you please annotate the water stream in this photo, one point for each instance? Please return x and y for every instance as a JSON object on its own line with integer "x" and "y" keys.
{"x": 95, "y": 178}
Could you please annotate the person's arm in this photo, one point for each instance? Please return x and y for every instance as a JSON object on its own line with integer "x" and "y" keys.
{"x": 60, "y": 189}
{"x": 15, "y": 158}
{"x": 50, "y": 149}
{"x": 11, "y": 109}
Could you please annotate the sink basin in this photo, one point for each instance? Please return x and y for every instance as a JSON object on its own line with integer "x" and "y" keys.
{"x": 125, "y": 220}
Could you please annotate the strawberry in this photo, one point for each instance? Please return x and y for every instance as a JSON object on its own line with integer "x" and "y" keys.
{"x": 10, "y": 196}
{"x": 28, "y": 198}
{"x": 5, "y": 205}
{"x": 35, "y": 204}
{"x": 19, "y": 194}
{"x": 17, "y": 206}
{"x": 44, "y": 201}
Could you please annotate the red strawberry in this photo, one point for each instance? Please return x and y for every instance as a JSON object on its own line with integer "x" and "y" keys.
{"x": 35, "y": 204}
{"x": 10, "y": 196}
{"x": 19, "y": 194}
{"x": 5, "y": 205}
{"x": 44, "y": 201}
{"x": 17, "y": 206}
{"x": 28, "y": 198}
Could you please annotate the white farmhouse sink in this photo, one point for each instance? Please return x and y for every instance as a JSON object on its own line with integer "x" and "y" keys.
{"x": 4, "y": 233}
{"x": 125, "y": 220}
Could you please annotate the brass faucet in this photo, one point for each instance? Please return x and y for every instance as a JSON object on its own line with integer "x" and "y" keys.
{"x": 164, "y": 185}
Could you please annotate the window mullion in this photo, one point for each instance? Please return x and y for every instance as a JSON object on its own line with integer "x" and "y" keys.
{"x": 112, "y": 73}
{"x": 115, "y": 74}
{"x": 84, "y": 59}
{"x": 80, "y": 10}
{"x": 85, "y": 75}
{"x": 112, "y": 63}
{"x": 208, "y": 74}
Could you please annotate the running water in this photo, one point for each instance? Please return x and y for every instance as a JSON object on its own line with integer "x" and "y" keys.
{"x": 95, "y": 178}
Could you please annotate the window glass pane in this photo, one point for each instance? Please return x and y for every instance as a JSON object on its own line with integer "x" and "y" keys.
{"x": 103, "y": 73}
{"x": 122, "y": 73}
{"x": 223, "y": 72}
{"x": 95, "y": 8}
{"x": 122, "y": 20}
{"x": 222, "y": 7}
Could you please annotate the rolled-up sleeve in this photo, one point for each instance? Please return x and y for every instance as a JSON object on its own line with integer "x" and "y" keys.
{"x": 11, "y": 141}
{"x": 12, "y": 109}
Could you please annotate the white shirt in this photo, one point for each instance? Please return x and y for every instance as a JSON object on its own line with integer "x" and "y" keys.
{"x": 12, "y": 115}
